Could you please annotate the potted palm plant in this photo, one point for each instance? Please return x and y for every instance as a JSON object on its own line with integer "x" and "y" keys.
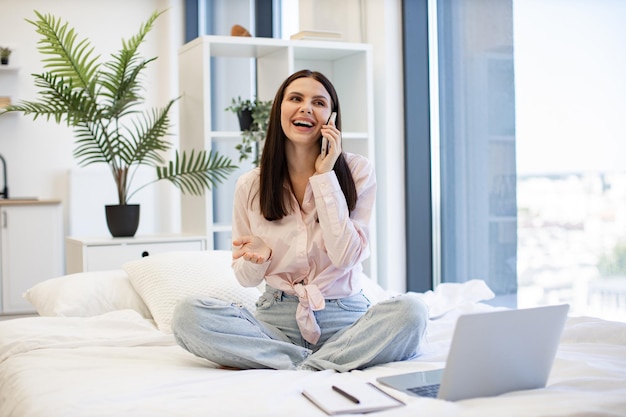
{"x": 253, "y": 118}
{"x": 100, "y": 101}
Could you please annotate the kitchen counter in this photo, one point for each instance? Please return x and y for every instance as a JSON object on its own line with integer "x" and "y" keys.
{"x": 26, "y": 202}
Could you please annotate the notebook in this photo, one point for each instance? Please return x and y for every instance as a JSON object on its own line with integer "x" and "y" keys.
{"x": 491, "y": 354}
{"x": 350, "y": 398}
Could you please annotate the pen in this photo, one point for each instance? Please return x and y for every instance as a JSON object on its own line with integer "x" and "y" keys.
{"x": 345, "y": 394}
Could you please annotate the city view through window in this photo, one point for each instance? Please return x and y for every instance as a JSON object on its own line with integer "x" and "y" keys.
{"x": 571, "y": 175}
{"x": 572, "y": 242}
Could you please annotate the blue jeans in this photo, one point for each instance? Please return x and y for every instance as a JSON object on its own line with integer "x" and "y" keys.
{"x": 354, "y": 336}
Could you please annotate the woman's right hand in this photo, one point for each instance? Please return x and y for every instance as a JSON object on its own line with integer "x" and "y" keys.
{"x": 326, "y": 163}
{"x": 252, "y": 249}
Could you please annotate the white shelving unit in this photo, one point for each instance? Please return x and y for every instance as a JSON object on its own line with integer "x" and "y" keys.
{"x": 215, "y": 69}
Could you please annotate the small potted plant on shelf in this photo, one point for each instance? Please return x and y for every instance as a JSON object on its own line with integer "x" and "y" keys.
{"x": 253, "y": 120}
{"x": 5, "y": 53}
{"x": 101, "y": 102}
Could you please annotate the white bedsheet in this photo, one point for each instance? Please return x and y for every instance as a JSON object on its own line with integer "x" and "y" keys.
{"x": 118, "y": 364}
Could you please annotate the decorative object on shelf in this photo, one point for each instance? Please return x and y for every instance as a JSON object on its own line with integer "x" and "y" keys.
{"x": 253, "y": 119}
{"x": 5, "y": 53}
{"x": 100, "y": 102}
{"x": 238, "y": 30}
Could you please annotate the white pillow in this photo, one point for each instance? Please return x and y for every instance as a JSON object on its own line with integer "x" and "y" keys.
{"x": 164, "y": 279}
{"x": 86, "y": 294}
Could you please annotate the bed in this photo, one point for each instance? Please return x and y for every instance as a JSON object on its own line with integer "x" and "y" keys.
{"x": 102, "y": 346}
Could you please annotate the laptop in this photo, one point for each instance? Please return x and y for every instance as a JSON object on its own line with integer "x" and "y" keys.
{"x": 491, "y": 354}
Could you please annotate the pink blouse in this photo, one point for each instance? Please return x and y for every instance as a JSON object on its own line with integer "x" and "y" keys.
{"x": 314, "y": 260}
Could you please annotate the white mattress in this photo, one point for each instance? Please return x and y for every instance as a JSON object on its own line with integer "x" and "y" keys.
{"x": 119, "y": 364}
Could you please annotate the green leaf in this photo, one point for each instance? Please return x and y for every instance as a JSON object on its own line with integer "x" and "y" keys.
{"x": 194, "y": 172}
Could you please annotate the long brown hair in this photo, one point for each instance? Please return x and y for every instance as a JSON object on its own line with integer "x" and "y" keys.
{"x": 274, "y": 199}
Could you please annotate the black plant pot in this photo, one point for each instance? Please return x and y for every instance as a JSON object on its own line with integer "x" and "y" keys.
{"x": 4, "y": 61}
{"x": 245, "y": 119}
{"x": 123, "y": 220}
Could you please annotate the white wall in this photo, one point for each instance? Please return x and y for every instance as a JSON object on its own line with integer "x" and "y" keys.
{"x": 383, "y": 29}
{"x": 39, "y": 154}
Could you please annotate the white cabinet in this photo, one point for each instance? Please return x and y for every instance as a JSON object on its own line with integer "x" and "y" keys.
{"x": 31, "y": 249}
{"x": 215, "y": 69}
{"x": 108, "y": 253}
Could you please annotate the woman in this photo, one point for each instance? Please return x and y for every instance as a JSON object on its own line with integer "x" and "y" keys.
{"x": 300, "y": 223}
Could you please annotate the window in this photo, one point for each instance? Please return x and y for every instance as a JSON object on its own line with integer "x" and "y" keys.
{"x": 527, "y": 183}
{"x": 570, "y": 66}
{"x": 477, "y": 144}
{"x": 216, "y": 17}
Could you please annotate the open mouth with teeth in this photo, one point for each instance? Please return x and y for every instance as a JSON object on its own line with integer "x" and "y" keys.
{"x": 302, "y": 123}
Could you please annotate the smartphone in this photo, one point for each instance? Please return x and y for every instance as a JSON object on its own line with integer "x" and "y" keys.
{"x": 325, "y": 143}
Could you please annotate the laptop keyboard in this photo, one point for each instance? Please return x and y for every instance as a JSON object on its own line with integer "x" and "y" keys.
{"x": 426, "y": 390}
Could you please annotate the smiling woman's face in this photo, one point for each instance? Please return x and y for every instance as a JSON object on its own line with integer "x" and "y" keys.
{"x": 305, "y": 108}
